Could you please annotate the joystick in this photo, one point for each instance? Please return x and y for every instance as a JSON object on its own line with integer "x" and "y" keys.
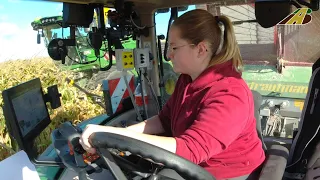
{"x": 66, "y": 142}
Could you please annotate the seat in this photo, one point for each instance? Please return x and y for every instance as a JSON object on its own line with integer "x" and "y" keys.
{"x": 275, "y": 163}
{"x": 257, "y": 98}
{"x": 272, "y": 169}
{"x": 277, "y": 156}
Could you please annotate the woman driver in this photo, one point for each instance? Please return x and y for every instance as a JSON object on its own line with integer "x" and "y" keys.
{"x": 209, "y": 118}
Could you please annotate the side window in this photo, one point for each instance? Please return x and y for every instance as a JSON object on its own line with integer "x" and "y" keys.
{"x": 277, "y": 63}
{"x": 169, "y": 76}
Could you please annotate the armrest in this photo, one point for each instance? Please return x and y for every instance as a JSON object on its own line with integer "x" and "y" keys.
{"x": 275, "y": 163}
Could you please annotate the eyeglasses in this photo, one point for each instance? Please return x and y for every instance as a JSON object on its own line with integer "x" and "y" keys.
{"x": 172, "y": 49}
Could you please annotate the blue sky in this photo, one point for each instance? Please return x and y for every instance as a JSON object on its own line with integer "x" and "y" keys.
{"x": 18, "y": 40}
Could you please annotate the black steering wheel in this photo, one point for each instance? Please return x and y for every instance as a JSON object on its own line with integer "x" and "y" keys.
{"x": 103, "y": 140}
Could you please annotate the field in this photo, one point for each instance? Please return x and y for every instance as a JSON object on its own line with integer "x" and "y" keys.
{"x": 75, "y": 106}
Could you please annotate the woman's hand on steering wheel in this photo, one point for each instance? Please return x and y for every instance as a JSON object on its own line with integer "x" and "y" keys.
{"x": 103, "y": 137}
{"x": 88, "y": 131}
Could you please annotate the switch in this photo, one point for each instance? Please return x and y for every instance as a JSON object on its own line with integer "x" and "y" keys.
{"x": 141, "y": 56}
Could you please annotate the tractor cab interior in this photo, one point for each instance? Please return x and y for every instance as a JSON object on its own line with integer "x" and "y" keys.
{"x": 127, "y": 158}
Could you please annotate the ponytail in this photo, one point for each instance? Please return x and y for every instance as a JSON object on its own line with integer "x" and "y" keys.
{"x": 228, "y": 49}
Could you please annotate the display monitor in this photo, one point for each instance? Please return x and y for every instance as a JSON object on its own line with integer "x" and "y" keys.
{"x": 25, "y": 111}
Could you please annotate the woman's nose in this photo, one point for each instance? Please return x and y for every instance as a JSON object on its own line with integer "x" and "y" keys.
{"x": 169, "y": 55}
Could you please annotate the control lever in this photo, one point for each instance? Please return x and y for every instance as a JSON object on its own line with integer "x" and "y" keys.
{"x": 73, "y": 137}
{"x": 66, "y": 142}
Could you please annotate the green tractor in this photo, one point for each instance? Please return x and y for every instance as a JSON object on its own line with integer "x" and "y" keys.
{"x": 88, "y": 68}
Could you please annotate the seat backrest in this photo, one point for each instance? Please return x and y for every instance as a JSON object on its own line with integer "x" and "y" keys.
{"x": 308, "y": 135}
{"x": 257, "y": 98}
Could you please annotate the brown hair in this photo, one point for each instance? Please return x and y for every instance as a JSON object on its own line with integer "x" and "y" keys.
{"x": 199, "y": 25}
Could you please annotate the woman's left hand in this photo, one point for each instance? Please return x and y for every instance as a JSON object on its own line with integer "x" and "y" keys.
{"x": 88, "y": 131}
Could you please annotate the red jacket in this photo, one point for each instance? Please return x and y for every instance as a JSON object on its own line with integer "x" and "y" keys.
{"x": 212, "y": 120}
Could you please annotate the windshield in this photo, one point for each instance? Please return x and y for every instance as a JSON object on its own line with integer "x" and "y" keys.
{"x": 55, "y": 31}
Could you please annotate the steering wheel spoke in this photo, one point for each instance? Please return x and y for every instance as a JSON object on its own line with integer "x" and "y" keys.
{"x": 107, "y": 158}
{"x": 111, "y": 160}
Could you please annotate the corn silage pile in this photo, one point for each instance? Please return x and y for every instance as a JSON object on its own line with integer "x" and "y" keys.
{"x": 73, "y": 107}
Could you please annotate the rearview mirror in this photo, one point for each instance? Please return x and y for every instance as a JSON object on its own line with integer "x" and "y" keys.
{"x": 270, "y": 12}
{"x": 315, "y": 5}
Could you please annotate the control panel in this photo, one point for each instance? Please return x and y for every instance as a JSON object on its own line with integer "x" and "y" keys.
{"x": 124, "y": 59}
{"x": 128, "y": 59}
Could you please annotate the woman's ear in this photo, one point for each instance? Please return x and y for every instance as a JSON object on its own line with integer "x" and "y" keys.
{"x": 202, "y": 49}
